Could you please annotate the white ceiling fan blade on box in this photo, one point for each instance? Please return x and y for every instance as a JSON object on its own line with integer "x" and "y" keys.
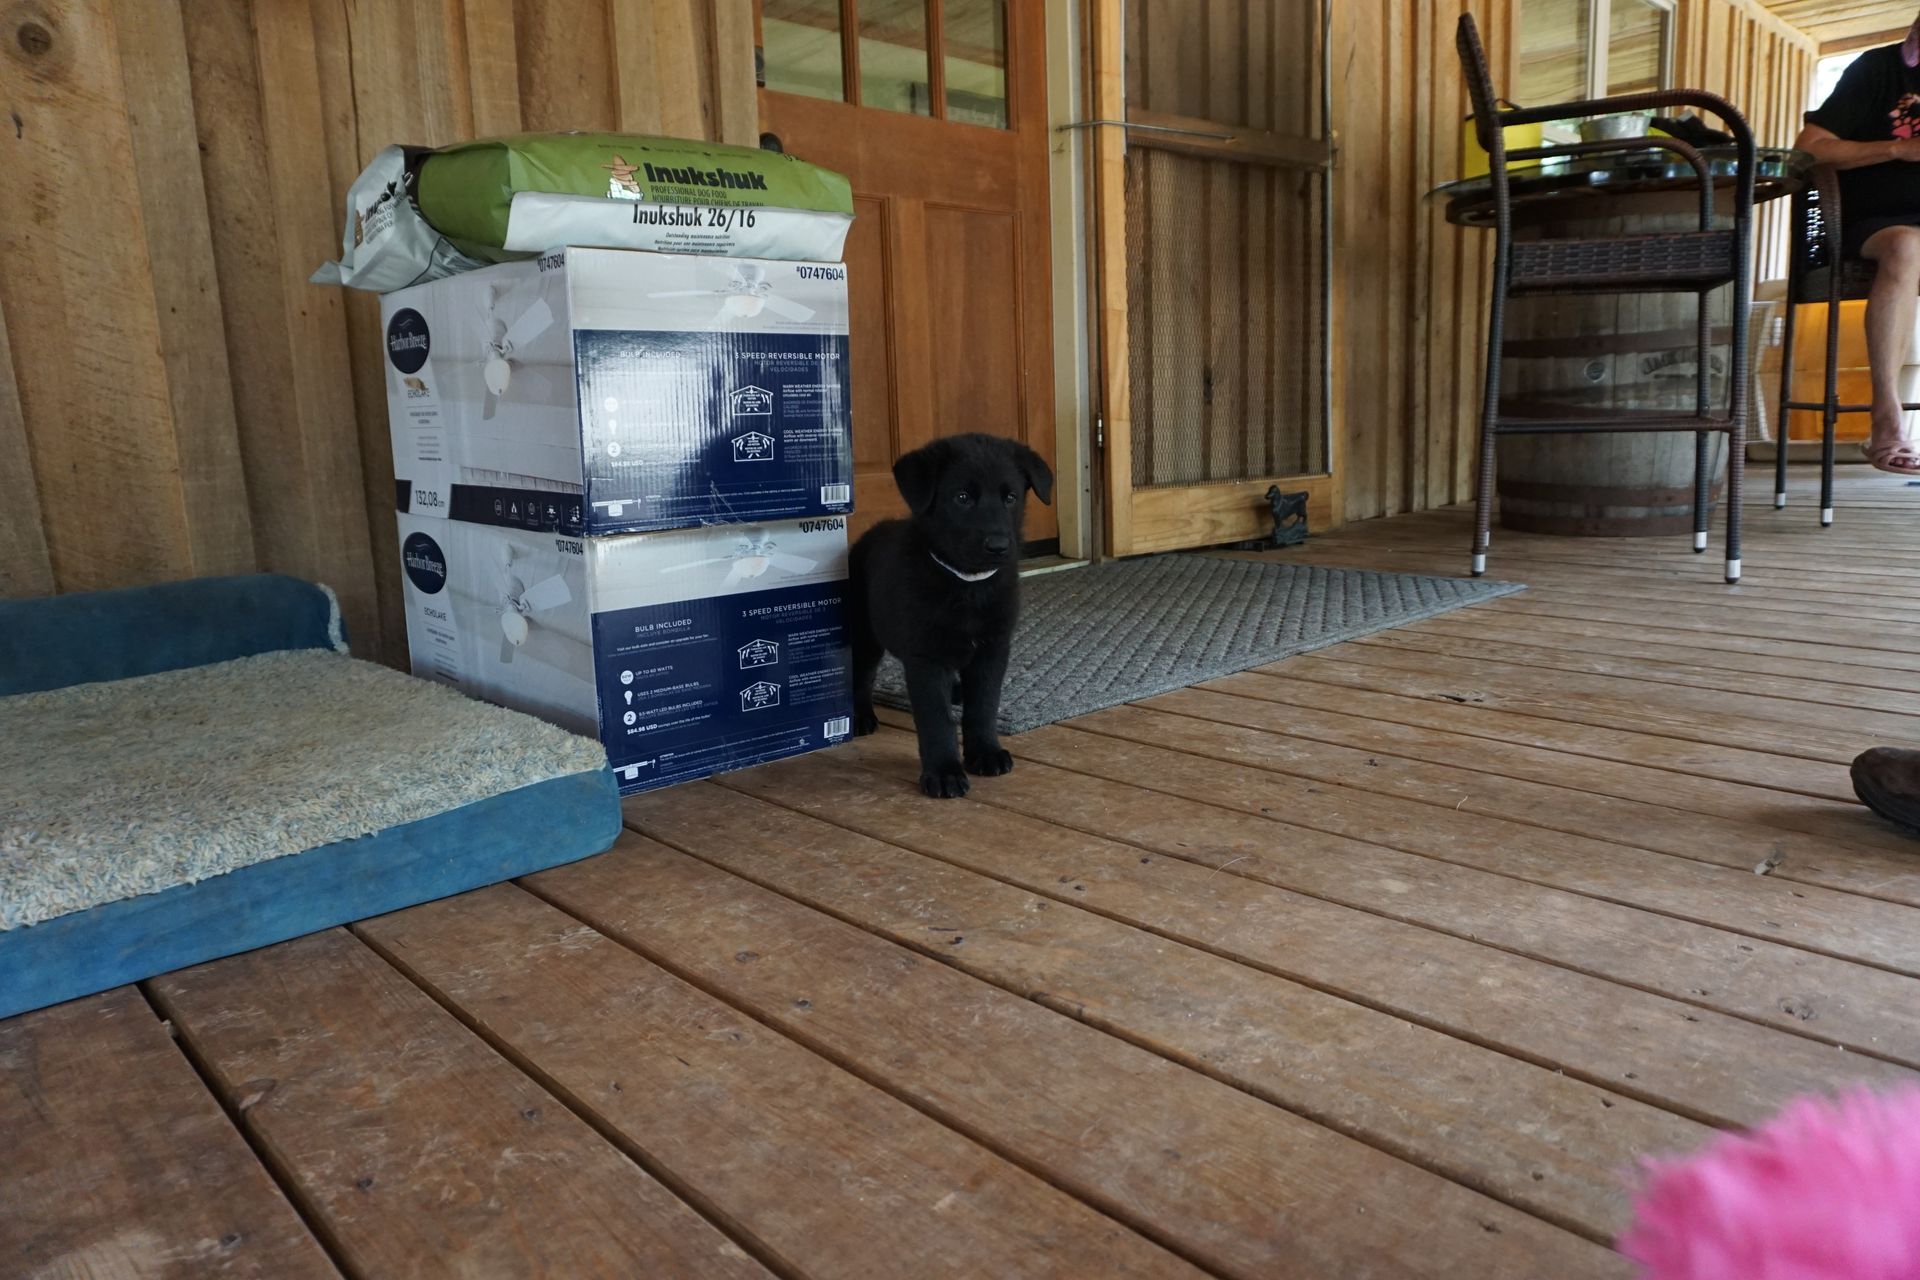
{"x": 791, "y": 564}
{"x": 696, "y": 564}
{"x": 786, "y": 308}
{"x": 530, "y": 324}
{"x": 550, "y": 593}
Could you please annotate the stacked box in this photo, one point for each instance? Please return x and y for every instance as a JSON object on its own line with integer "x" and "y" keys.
{"x": 622, "y": 481}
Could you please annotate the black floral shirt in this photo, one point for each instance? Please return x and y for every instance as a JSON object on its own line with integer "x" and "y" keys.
{"x": 1878, "y": 99}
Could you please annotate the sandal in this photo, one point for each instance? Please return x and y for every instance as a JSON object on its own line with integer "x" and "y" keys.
{"x": 1900, "y": 458}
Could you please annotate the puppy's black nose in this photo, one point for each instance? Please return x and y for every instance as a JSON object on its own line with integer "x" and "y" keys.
{"x": 999, "y": 546}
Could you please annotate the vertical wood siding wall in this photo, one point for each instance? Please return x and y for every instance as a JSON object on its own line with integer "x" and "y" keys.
{"x": 175, "y": 398}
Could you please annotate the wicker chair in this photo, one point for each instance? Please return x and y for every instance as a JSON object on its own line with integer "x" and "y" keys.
{"x": 1817, "y": 273}
{"x": 1696, "y": 262}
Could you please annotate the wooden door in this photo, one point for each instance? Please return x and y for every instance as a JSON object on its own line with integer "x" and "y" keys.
{"x": 1211, "y": 160}
{"x": 936, "y": 110}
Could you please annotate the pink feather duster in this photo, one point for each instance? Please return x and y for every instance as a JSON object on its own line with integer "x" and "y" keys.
{"x": 1828, "y": 1190}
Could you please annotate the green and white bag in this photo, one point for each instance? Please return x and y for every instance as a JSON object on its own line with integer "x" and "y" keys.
{"x": 416, "y": 215}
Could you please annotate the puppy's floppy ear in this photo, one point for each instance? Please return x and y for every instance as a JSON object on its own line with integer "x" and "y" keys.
{"x": 918, "y": 475}
{"x": 1034, "y": 467}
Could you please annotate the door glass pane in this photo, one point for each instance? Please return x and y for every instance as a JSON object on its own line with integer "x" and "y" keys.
{"x": 1636, "y": 44}
{"x": 893, "y": 56}
{"x": 1553, "y": 51}
{"x": 974, "y": 43}
{"x": 801, "y": 43}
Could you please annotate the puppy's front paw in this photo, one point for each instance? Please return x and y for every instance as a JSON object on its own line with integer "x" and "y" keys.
{"x": 865, "y": 722}
{"x": 989, "y": 762}
{"x": 945, "y": 781}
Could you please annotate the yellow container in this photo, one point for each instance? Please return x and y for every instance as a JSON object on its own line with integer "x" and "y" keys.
{"x": 1475, "y": 163}
{"x": 1809, "y": 370}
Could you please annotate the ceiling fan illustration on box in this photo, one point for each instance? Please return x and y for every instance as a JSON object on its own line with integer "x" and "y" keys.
{"x": 508, "y": 336}
{"x": 520, "y": 603}
{"x": 745, "y": 295}
{"x": 753, "y": 557}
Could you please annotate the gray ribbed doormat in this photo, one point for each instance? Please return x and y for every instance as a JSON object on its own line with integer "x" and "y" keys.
{"x": 1129, "y": 629}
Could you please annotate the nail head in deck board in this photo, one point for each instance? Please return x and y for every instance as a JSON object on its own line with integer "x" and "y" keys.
{"x": 1840, "y": 662}
{"x": 1743, "y": 719}
{"x": 1869, "y": 645}
{"x": 1448, "y": 848}
{"x": 1816, "y": 779}
{"x": 409, "y": 1141}
{"x": 1643, "y": 714}
{"x": 1724, "y": 1069}
{"x": 120, "y": 1163}
{"x": 1830, "y": 845}
{"x": 1803, "y": 688}
{"x": 1651, "y": 857}
{"x": 1238, "y": 1186}
{"x": 1552, "y": 640}
{"x": 831, "y": 1175}
{"x": 1617, "y": 764}
{"x": 1523, "y": 1134}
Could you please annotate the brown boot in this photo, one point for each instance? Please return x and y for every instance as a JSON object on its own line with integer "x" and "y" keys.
{"x": 1887, "y": 780}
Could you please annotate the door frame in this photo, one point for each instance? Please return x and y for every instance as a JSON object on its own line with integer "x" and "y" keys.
{"x": 1140, "y": 521}
{"x": 1065, "y": 285}
{"x": 1075, "y": 500}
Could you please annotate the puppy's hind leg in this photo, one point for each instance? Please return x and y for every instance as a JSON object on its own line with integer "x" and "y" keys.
{"x": 931, "y": 687}
{"x": 980, "y": 683}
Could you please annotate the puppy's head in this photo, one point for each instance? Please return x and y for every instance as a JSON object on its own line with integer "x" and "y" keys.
{"x": 968, "y": 495}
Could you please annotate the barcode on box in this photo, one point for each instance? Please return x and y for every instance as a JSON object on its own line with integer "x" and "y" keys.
{"x": 839, "y": 728}
{"x": 836, "y": 493}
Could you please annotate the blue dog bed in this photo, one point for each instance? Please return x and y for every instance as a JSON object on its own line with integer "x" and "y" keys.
{"x": 197, "y": 769}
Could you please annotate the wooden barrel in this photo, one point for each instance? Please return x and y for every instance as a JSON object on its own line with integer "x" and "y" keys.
{"x": 1588, "y": 355}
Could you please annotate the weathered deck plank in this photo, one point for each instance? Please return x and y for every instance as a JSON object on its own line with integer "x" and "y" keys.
{"x": 826, "y": 1173}
{"x": 1234, "y": 1184}
{"x": 1398, "y": 931}
{"x": 119, "y": 1163}
{"x": 411, "y": 1143}
{"x": 1533, "y": 1137}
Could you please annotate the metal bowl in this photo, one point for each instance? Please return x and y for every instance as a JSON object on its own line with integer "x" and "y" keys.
{"x": 1608, "y": 128}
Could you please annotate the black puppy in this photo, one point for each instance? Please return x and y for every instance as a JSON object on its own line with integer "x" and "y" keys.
{"x": 940, "y": 590}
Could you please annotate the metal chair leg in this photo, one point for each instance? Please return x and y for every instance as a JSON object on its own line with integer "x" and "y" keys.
{"x": 1786, "y": 394}
{"x": 1490, "y": 405}
{"x": 1826, "y": 465}
{"x": 1483, "y": 503}
{"x": 1703, "y": 406}
{"x": 1830, "y": 412}
{"x": 1736, "y": 493}
{"x": 1699, "y": 491}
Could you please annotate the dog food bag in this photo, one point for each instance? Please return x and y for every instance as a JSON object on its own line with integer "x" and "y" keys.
{"x": 388, "y": 244}
{"x": 417, "y": 215}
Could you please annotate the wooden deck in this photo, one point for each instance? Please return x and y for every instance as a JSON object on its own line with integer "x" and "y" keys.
{"x": 1386, "y": 960}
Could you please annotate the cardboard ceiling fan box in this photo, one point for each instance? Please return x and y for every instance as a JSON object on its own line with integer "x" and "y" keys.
{"x": 687, "y": 653}
{"x": 597, "y": 391}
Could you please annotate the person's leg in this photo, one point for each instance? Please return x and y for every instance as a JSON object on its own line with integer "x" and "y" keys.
{"x": 1890, "y": 322}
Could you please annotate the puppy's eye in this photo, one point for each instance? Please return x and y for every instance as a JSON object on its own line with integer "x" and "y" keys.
{"x": 1009, "y": 497}
{"x": 964, "y": 498}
